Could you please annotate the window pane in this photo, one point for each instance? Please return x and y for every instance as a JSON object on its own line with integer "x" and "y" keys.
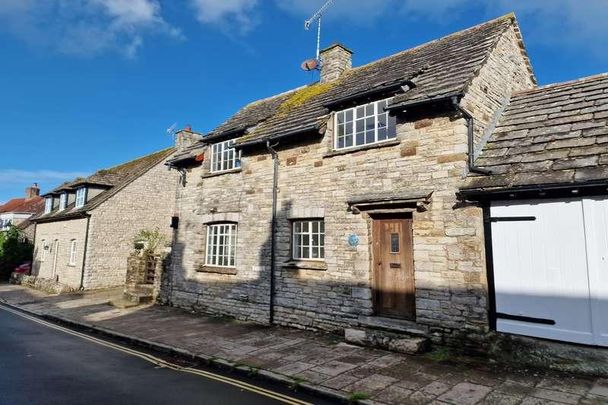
{"x": 305, "y": 252}
{"x": 349, "y": 115}
{"x": 360, "y": 112}
{"x": 340, "y": 117}
{"x": 392, "y": 126}
{"x": 394, "y": 243}
{"x": 369, "y": 110}
{"x": 349, "y": 128}
{"x": 360, "y": 125}
{"x": 348, "y": 141}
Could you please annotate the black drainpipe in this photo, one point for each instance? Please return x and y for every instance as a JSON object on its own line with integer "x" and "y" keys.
{"x": 275, "y": 178}
{"x": 84, "y": 253}
{"x": 471, "y": 138}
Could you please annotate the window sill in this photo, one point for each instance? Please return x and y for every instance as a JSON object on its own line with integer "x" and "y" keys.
{"x": 317, "y": 265}
{"x": 215, "y": 174}
{"x": 216, "y": 270}
{"x": 338, "y": 152}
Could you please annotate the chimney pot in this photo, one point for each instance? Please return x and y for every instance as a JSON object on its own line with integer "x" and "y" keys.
{"x": 335, "y": 60}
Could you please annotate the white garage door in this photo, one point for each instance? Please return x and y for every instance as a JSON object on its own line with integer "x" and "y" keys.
{"x": 551, "y": 269}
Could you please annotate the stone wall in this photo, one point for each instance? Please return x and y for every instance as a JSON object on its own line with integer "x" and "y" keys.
{"x": 505, "y": 72}
{"x": 146, "y": 203}
{"x": 63, "y": 232}
{"x": 429, "y": 155}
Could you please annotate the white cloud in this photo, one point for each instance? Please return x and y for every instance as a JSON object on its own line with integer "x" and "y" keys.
{"x": 573, "y": 24}
{"x": 229, "y": 15}
{"x": 85, "y": 27}
{"x": 361, "y": 11}
{"x": 9, "y": 178}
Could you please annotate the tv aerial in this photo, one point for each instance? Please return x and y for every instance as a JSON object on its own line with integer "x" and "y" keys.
{"x": 312, "y": 64}
{"x": 172, "y": 130}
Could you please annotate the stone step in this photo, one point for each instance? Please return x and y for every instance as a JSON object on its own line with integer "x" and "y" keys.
{"x": 392, "y": 325}
{"x": 123, "y": 304}
{"x": 393, "y": 341}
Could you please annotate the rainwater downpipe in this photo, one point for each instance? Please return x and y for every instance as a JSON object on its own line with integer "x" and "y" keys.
{"x": 84, "y": 253}
{"x": 275, "y": 178}
{"x": 471, "y": 138}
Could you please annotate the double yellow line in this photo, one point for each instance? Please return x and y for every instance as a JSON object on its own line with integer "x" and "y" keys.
{"x": 163, "y": 363}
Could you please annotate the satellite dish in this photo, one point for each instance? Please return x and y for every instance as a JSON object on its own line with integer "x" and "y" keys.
{"x": 310, "y": 64}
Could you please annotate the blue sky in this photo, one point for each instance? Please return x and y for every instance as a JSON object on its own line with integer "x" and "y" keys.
{"x": 87, "y": 84}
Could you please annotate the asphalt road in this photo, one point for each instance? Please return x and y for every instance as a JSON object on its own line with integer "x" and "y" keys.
{"x": 43, "y": 365}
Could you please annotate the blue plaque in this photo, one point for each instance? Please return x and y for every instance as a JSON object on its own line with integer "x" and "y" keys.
{"x": 353, "y": 240}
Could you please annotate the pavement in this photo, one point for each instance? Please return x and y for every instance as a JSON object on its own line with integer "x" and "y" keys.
{"x": 312, "y": 361}
{"x": 45, "y": 364}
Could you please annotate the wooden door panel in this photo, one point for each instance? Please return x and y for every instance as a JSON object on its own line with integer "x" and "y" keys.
{"x": 393, "y": 281}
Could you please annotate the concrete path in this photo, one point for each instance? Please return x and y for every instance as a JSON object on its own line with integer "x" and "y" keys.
{"x": 319, "y": 361}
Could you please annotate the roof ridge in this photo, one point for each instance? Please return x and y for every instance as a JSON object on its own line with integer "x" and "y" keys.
{"x": 583, "y": 79}
{"x": 130, "y": 161}
{"x": 510, "y": 16}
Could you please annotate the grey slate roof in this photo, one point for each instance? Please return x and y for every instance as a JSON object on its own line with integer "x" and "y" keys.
{"x": 439, "y": 68}
{"x": 112, "y": 180}
{"x": 557, "y": 134}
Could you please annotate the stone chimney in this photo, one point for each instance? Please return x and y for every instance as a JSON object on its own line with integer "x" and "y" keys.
{"x": 335, "y": 59}
{"x": 186, "y": 137}
{"x": 31, "y": 192}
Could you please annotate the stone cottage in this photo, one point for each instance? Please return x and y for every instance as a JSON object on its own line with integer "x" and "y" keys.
{"x": 334, "y": 206}
{"x": 89, "y": 225}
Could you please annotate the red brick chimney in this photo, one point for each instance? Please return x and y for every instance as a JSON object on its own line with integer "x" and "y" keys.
{"x": 32, "y": 191}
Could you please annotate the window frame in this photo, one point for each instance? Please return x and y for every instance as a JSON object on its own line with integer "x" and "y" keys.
{"x": 212, "y": 245}
{"x": 376, "y": 115}
{"x": 226, "y": 147}
{"x": 78, "y": 204}
{"x": 43, "y": 254}
{"x": 48, "y": 205}
{"x": 320, "y": 246}
{"x": 63, "y": 201}
{"x": 72, "y": 256}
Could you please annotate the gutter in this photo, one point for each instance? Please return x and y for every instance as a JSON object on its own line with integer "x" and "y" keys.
{"x": 471, "y": 141}
{"x": 275, "y": 178}
{"x": 84, "y": 253}
{"x": 310, "y": 128}
{"x": 547, "y": 190}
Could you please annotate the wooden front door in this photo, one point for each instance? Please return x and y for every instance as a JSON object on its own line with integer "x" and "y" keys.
{"x": 393, "y": 279}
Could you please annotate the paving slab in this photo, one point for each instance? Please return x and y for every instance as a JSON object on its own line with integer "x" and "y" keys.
{"x": 319, "y": 361}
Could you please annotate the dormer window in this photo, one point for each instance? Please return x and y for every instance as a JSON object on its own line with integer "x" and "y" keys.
{"x": 364, "y": 125}
{"x": 81, "y": 197}
{"x": 63, "y": 201}
{"x": 48, "y": 205}
{"x": 224, "y": 157}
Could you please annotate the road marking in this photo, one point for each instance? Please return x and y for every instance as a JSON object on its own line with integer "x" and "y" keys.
{"x": 163, "y": 363}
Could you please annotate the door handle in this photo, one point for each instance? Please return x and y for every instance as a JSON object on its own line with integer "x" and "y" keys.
{"x": 395, "y": 265}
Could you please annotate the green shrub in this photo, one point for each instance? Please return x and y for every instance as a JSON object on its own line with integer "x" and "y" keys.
{"x": 15, "y": 249}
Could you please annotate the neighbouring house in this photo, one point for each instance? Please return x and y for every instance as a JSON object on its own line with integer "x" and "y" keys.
{"x": 18, "y": 211}
{"x": 88, "y": 228}
{"x": 334, "y": 206}
{"x": 546, "y": 212}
